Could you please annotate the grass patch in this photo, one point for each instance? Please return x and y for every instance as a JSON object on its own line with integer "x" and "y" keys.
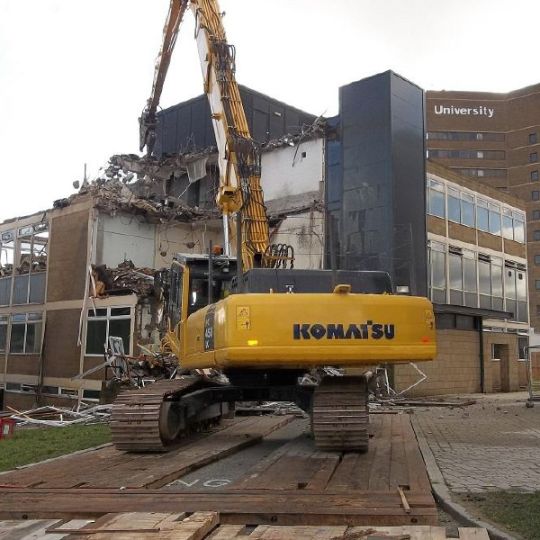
{"x": 517, "y": 512}
{"x": 31, "y": 445}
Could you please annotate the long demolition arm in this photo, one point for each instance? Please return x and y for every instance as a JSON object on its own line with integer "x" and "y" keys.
{"x": 239, "y": 156}
{"x": 239, "y": 193}
{"x": 148, "y": 120}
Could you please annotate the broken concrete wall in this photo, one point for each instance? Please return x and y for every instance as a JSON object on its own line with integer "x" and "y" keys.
{"x": 124, "y": 237}
{"x": 292, "y": 170}
{"x": 192, "y": 237}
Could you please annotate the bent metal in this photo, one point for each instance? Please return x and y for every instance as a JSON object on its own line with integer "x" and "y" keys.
{"x": 367, "y": 330}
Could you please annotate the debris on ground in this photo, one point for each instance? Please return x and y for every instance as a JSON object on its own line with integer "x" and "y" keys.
{"x": 51, "y": 416}
{"x": 277, "y": 408}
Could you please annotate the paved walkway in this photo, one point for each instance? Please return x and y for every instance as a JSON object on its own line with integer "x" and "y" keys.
{"x": 492, "y": 445}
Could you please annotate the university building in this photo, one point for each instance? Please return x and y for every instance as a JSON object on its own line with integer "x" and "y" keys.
{"x": 494, "y": 139}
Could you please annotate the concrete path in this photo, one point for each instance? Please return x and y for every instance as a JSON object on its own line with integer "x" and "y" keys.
{"x": 490, "y": 446}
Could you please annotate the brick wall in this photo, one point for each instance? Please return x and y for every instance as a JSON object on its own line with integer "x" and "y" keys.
{"x": 455, "y": 370}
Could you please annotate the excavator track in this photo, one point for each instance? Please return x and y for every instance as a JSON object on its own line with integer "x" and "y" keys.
{"x": 146, "y": 419}
{"x": 340, "y": 416}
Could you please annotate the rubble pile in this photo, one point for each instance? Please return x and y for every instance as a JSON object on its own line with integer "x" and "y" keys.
{"x": 51, "y": 416}
{"x": 127, "y": 276}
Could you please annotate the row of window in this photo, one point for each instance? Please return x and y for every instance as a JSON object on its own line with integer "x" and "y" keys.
{"x": 473, "y": 211}
{"x": 463, "y": 277}
{"x": 473, "y": 136}
{"x": 23, "y": 265}
{"x": 20, "y": 333}
{"x": 465, "y": 136}
{"x": 480, "y": 173}
{"x": 466, "y": 154}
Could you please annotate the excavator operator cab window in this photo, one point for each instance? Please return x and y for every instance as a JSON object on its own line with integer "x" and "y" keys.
{"x": 198, "y": 292}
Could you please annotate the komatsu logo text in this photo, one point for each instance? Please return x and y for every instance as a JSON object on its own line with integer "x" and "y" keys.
{"x": 367, "y": 330}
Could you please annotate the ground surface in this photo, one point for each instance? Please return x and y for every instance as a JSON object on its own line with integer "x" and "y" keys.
{"x": 489, "y": 456}
{"x": 32, "y": 445}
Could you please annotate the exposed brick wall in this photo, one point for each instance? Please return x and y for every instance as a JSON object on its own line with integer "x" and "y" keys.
{"x": 455, "y": 370}
{"x": 502, "y": 375}
{"x": 23, "y": 364}
{"x": 61, "y": 352}
{"x": 67, "y": 258}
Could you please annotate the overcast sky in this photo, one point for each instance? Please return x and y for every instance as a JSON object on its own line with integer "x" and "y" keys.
{"x": 74, "y": 75}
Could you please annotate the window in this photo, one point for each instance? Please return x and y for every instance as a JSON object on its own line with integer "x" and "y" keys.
{"x": 25, "y": 333}
{"x": 438, "y": 272}
{"x": 535, "y": 195}
{"x": 521, "y": 290}
{"x": 467, "y": 154}
{"x": 7, "y": 252}
{"x": 496, "y": 283}
{"x": 494, "y": 218}
{"x": 465, "y": 136}
{"x": 523, "y": 343}
{"x": 467, "y": 210}
{"x": 455, "y": 276}
{"x": 497, "y": 351}
{"x": 480, "y": 173}
{"x": 436, "y": 199}
{"x": 537, "y": 284}
{"x": 482, "y": 215}
{"x": 536, "y": 235}
{"x": 105, "y": 322}
{"x": 454, "y": 205}
{"x": 533, "y": 139}
{"x": 537, "y": 260}
{"x": 469, "y": 279}
{"x": 536, "y": 214}
{"x": 31, "y": 265}
{"x": 533, "y": 157}
{"x": 534, "y": 176}
{"x": 519, "y": 226}
{"x": 91, "y": 394}
{"x": 4, "y": 319}
{"x": 508, "y": 224}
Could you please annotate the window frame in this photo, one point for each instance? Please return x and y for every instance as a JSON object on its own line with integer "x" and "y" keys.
{"x": 37, "y": 335}
{"x": 108, "y": 317}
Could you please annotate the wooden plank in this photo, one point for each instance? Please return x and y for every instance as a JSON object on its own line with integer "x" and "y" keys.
{"x": 227, "y": 532}
{"x": 413, "y": 531}
{"x": 283, "y": 507}
{"x": 270, "y": 532}
{"x": 469, "y": 533}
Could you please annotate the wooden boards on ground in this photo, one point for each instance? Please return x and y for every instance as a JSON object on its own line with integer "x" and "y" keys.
{"x": 208, "y": 526}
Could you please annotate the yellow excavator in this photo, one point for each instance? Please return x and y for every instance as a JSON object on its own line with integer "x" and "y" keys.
{"x": 253, "y": 317}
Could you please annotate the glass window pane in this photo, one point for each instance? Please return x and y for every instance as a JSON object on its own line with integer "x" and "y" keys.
{"x": 482, "y": 218}
{"x": 519, "y": 231}
{"x": 436, "y": 203}
{"x": 97, "y": 313}
{"x": 3, "y": 336}
{"x": 494, "y": 222}
{"x": 115, "y": 312}
{"x": 33, "y": 338}
{"x": 17, "y": 338}
{"x": 508, "y": 227}
{"x": 467, "y": 213}
{"x": 510, "y": 283}
{"x": 20, "y": 290}
{"x": 5, "y": 291}
{"x": 456, "y": 272}
{"x": 96, "y": 337}
{"x": 496, "y": 280}
{"x": 37, "y": 288}
{"x": 121, "y": 328}
{"x": 439, "y": 270}
{"x": 521, "y": 287}
{"x": 484, "y": 278}
{"x": 454, "y": 209}
{"x": 469, "y": 274}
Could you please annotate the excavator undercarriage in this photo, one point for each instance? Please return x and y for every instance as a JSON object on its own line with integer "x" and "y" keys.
{"x": 158, "y": 417}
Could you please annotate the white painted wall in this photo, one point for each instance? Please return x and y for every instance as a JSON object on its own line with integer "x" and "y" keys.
{"x": 305, "y": 233}
{"x": 124, "y": 237}
{"x": 286, "y": 172}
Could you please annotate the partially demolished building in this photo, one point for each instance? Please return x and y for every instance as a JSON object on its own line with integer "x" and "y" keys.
{"x": 346, "y": 191}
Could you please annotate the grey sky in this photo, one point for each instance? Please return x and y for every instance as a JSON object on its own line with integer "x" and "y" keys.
{"x": 74, "y": 74}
